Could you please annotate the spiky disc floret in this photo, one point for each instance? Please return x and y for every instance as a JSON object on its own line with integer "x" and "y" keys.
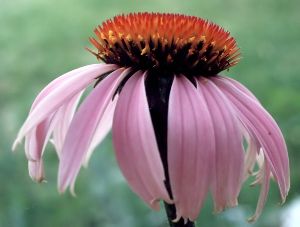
{"x": 168, "y": 42}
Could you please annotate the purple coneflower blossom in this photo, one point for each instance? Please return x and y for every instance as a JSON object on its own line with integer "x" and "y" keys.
{"x": 180, "y": 130}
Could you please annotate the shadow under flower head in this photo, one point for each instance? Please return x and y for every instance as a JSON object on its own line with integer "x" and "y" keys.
{"x": 178, "y": 127}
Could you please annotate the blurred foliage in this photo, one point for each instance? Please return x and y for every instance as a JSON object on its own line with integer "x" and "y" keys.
{"x": 41, "y": 39}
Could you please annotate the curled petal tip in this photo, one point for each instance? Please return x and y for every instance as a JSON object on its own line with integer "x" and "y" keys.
{"x": 36, "y": 171}
{"x": 15, "y": 144}
{"x": 233, "y": 203}
{"x": 253, "y": 184}
{"x": 72, "y": 191}
{"x": 252, "y": 219}
{"x": 39, "y": 180}
{"x": 283, "y": 199}
{"x": 61, "y": 188}
{"x": 72, "y": 188}
{"x": 85, "y": 164}
{"x": 250, "y": 172}
{"x": 185, "y": 220}
{"x": 218, "y": 210}
{"x": 155, "y": 204}
{"x": 178, "y": 217}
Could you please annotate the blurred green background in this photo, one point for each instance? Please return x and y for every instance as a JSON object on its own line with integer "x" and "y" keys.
{"x": 40, "y": 40}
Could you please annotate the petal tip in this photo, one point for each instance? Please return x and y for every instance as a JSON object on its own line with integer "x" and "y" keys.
{"x": 36, "y": 171}
{"x": 39, "y": 179}
{"x": 155, "y": 204}
{"x": 61, "y": 186}
{"x": 233, "y": 203}
{"x": 176, "y": 219}
{"x": 61, "y": 190}
{"x": 252, "y": 219}
{"x": 218, "y": 210}
{"x": 283, "y": 199}
{"x": 72, "y": 189}
{"x": 15, "y": 144}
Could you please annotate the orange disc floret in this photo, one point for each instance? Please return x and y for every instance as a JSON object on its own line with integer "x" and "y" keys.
{"x": 167, "y": 42}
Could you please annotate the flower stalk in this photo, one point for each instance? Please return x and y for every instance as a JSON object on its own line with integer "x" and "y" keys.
{"x": 171, "y": 214}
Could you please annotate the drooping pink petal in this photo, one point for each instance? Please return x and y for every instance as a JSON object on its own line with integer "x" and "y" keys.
{"x": 251, "y": 156}
{"x": 83, "y": 126}
{"x": 36, "y": 170}
{"x": 62, "y": 121}
{"x": 259, "y": 174}
{"x": 191, "y": 147}
{"x": 265, "y": 184}
{"x": 35, "y": 142}
{"x": 56, "y": 82}
{"x": 102, "y": 130}
{"x": 135, "y": 143}
{"x": 36, "y": 139}
{"x": 263, "y": 127}
{"x": 58, "y": 92}
{"x": 237, "y": 84}
{"x": 229, "y": 158}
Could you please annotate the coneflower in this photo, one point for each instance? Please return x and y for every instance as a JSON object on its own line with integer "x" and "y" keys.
{"x": 179, "y": 129}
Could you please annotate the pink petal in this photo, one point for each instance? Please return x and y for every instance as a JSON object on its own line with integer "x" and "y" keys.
{"x": 103, "y": 129}
{"x": 59, "y": 92}
{"x": 191, "y": 147}
{"x": 36, "y": 170}
{"x": 37, "y": 137}
{"x": 229, "y": 161}
{"x": 263, "y": 192}
{"x": 237, "y": 84}
{"x": 35, "y": 143}
{"x": 135, "y": 143}
{"x": 62, "y": 121}
{"x": 250, "y": 157}
{"x": 83, "y": 127}
{"x": 36, "y": 140}
{"x": 265, "y": 130}
{"x": 56, "y": 82}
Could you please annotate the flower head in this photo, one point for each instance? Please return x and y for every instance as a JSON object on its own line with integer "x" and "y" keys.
{"x": 167, "y": 42}
{"x": 179, "y": 129}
